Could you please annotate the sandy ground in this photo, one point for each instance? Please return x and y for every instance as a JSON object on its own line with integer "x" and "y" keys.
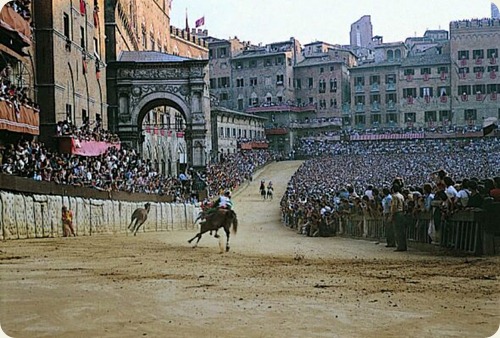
{"x": 272, "y": 283}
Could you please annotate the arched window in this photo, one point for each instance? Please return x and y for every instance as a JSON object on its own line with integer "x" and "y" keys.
{"x": 390, "y": 55}
{"x": 397, "y": 54}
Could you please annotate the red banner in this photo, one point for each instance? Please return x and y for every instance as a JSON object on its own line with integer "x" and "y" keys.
{"x": 84, "y": 148}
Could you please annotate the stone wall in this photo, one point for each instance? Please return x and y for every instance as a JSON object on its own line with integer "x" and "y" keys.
{"x": 38, "y": 216}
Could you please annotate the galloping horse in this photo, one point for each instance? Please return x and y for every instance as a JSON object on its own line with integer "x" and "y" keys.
{"x": 270, "y": 192}
{"x": 140, "y": 216}
{"x": 263, "y": 190}
{"x": 221, "y": 218}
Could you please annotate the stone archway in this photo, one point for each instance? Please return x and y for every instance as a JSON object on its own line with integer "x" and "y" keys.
{"x": 140, "y": 80}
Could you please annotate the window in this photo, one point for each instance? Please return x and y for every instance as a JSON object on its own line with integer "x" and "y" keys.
{"x": 479, "y": 89}
{"x": 85, "y": 117}
{"x": 252, "y": 64}
{"x": 390, "y": 78}
{"x": 470, "y": 114}
{"x": 360, "y": 100}
{"x": 331, "y": 68}
{"x": 253, "y": 81}
{"x": 443, "y": 70}
{"x": 376, "y": 119}
{"x": 279, "y": 79}
{"x": 82, "y": 37}
{"x": 223, "y": 82}
{"x": 239, "y": 65}
{"x": 444, "y": 115}
{"x": 425, "y": 70}
{"x": 223, "y": 96}
{"x": 492, "y": 69}
{"x": 479, "y": 69}
{"x": 311, "y": 82}
{"x": 222, "y": 52}
{"x": 359, "y": 81}
{"x": 492, "y": 88}
{"x": 426, "y": 92}
{"x": 390, "y": 55}
{"x": 464, "y": 90}
{"x": 430, "y": 116}
{"x": 240, "y": 104}
{"x": 239, "y": 83}
{"x": 391, "y": 118}
{"x": 374, "y": 79}
{"x": 279, "y": 60}
{"x": 390, "y": 99}
{"x": 409, "y": 71}
{"x": 409, "y": 92}
{"x": 359, "y": 119}
{"x": 410, "y": 117}
{"x": 69, "y": 115}
{"x": 321, "y": 70}
{"x": 66, "y": 26}
{"x": 492, "y": 53}
{"x": 221, "y": 132}
{"x": 333, "y": 85}
{"x": 96, "y": 47}
{"x": 444, "y": 91}
{"x": 322, "y": 86}
{"x": 463, "y": 70}
{"x": 463, "y": 55}
{"x": 478, "y": 54}
{"x": 268, "y": 62}
{"x": 213, "y": 83}
{"x": 298, "y": 83}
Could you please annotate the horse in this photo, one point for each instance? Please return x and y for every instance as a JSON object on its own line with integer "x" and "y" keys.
{"x": 140, "y": 215}
{"x": 224, "y": 218}
{"x": 270, "y": 193}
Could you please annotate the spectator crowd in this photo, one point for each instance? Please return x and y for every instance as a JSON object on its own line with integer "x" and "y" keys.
{"x": 125, "y": 170}
{"x": 355, "y": 177}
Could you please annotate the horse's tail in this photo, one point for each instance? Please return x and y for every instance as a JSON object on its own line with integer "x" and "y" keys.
{"x": 235, "y": 222}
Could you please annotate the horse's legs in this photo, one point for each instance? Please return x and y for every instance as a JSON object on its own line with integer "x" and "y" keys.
{"x": 226, "y": 229}
{"x": 138, "y": 225}
{"x": 131, "y": 222}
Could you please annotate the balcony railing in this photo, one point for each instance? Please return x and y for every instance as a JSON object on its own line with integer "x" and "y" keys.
{"x": 375, "y": 87}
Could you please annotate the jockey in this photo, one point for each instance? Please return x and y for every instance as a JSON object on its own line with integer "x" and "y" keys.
{"x": 262, "y": 185}
{"x": 224, "y": 201}
{"x": 270, "y": 186}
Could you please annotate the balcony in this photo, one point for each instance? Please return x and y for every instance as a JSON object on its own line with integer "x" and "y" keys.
{"x": 443, "y": 99}
{"x": 375, "y": 87}
{"x": 359, "y": 88}
{"x": 346, "y": 108}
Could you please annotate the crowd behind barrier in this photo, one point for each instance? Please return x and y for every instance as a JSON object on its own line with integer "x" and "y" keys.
{"x": 123, "y": 170}
{"x": 344, "y": 192}
{"x": 87, "y": 132}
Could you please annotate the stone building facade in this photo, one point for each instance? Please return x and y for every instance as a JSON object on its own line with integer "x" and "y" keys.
{"x": 475, "y": 81}
{"x": 231, "y": 129}
{"x": 70, "y": 55}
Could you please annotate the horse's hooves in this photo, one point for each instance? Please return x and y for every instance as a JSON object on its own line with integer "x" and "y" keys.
{"x": 227, "y": 249}
{"x": 216, "y": 236}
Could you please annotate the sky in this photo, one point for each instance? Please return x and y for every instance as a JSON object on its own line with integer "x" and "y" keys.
{"x": 267, "y": 21}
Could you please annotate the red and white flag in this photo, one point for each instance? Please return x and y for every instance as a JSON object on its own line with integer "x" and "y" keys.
{"x": 200, "y": 22}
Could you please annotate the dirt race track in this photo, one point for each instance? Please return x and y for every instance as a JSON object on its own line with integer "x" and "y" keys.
{"x": 272, "y": 283}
